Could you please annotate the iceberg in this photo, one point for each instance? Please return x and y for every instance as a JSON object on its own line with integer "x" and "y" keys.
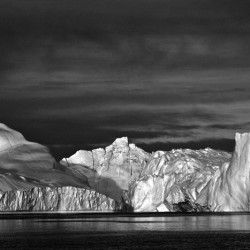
{"x": 123, "y": 176}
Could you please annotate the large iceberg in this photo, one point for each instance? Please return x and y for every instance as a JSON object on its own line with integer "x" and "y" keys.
{"x": 31, "y": 179}
{"x": 122, "y": 176}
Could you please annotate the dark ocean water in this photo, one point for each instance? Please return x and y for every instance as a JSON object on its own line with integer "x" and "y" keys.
{"x": 127, "y": 232}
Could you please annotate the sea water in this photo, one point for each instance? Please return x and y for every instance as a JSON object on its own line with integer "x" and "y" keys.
{"x": 231, "y": 231}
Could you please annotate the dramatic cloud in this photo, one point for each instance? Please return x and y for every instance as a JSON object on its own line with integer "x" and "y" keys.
{"x": 165, "y": 73}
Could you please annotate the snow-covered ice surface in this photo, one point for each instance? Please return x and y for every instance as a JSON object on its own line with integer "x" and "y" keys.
{"x": 176, "y": 180}
{"x": 25, "y": 164}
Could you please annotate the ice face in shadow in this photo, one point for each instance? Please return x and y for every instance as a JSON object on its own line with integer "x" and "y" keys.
{"x": 24, "y": 165}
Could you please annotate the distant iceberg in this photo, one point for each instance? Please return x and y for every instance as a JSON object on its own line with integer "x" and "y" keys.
{"x": 123, "y": 177}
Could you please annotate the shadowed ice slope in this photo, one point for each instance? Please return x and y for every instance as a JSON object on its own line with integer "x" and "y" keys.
{"x": 25, "y": 164}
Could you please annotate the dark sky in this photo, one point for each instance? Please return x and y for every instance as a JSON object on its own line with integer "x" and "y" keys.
{"x": 76, "y": 74}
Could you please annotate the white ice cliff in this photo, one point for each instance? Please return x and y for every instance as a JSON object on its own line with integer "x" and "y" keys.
{"x": 229, "y": 189}
{"x": 55, "y": 199}
{"x": 25, "y": 164}
{"x": 122, "y": 176}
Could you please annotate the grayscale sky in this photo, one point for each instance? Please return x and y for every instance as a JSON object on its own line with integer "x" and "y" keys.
{"x": 76, "y": 74}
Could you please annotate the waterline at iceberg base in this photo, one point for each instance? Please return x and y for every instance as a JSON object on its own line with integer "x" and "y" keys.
{"x": 123, "y": 177}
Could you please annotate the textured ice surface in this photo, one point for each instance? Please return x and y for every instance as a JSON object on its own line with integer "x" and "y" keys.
{"x": 229, "y": 189}
{"x": 110, "y": 170}
{"x": 173, "y": 177}
{"x": 55, "y": 199}
{"x": 176, "y": 180}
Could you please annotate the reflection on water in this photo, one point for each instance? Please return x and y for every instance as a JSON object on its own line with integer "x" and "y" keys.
{"x": 116, "y": 223}
{"x": 121, "y": 232}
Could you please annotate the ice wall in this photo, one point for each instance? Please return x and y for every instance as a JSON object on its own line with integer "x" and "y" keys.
{"x": 176, "y": 180}
{"x": 229, "y": 188}
{"x": 55, "y": 199}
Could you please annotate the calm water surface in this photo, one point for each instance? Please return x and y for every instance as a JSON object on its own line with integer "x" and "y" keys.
{"x": 124, "y": 232}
